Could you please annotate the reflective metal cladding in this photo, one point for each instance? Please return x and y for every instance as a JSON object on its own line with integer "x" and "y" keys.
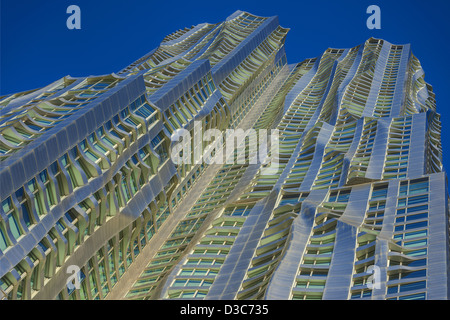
{"x": 352, "y": 205}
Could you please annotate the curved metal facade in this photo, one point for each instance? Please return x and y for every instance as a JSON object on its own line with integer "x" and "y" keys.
{"x": 359, "y": 190}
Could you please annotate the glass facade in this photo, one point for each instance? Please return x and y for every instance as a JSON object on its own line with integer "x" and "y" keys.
{"x": 354, "y": 205}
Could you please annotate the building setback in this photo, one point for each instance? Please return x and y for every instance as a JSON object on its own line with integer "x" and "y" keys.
{"x": 353, "y": 205}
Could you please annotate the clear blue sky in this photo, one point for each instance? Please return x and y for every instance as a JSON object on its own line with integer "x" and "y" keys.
{"x": 37, "y": 48}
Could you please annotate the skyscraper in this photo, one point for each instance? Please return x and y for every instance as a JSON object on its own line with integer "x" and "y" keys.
{"x": 352, "y": 205}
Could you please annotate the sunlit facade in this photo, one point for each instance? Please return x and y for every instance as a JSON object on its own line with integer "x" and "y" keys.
{"x": 356, "y": 206}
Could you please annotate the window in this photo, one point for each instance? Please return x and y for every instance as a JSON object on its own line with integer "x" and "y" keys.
{"x": 14, "y": 226}
{"x": 361, "y": 294}
{"x": 340, "y": 196}
{"x": 409, "y": 235}
{"x": 412, "y": 217}
{"x": 407, "y": 287}
{"x": 310, "y": 284}
{"x": 379, "y": 192}
{"x": 3, "y": 242}
{"x": 410, "y": 226}
{"x": 415, "y": 243}
{"x": 408, "y": 275}
{"x": 412, "y": 187}
{"x": 158, "y": 145}
{"x": 418, "y": 296}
